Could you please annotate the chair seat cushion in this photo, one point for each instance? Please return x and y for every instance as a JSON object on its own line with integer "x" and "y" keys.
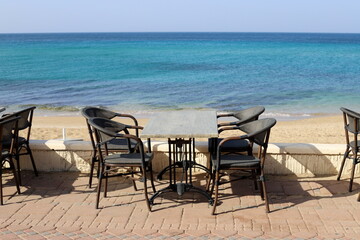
{"x": 21, "y": 140}
{"x": 7, "y": 144}
{"x": 230, "y": 146}
{"x": 237, "y": 161}
{"x": 352, "y": 144}
{"x": 234, "y": 145}
{"x": 121, "y": 144}
{"x": 131, "y": 159}
{"x": 5, "y": 154}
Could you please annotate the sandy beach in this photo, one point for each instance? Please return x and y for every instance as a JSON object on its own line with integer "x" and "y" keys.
{"x": 327, "y": 129}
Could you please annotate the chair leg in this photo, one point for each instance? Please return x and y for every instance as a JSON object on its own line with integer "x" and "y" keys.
{"x": 1, "y": 188}
{"x": 12, "y": 166}
{"x": 346, "y": 154}
{"x": 98, "y": 191}
{"x": 265, "y": 194}
{"x": 209, "y": 177}
{"x": 152, "y": 178}
{"x": 132, "y": 178}
{"x": 106, "y": 176}
{"x": 352, "y": 173}
{"x": 17, "y": 158}
{"x": 31, "y": 158}
{"x": 93, "y": 160}
{"x": 262, "y": 195}
{"x": 98, "y": 169}
{"x": 208, "y": 181}
{"x": 145, "y": 188}
{"x": 216, "y": 183}
{"x": 213, "y": 182}
{"x": 253, "y": 173}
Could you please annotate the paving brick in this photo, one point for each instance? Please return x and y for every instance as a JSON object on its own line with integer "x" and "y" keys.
{"x": 41, "y": 229}
{"x": 224, "y": 233}
{"x": 330, "y": 235}
{"x": 69, "y": 229}
{"x": 334, "y": 214}
{"x": 304, "y": 235}
{"x": 171, "y": 233}
{"x": 34, "y": 237}
{"x": 197, "y": 233}
{"x": 93, "y": 231}
{"x": 144, "y": 232}
{"x": 10, "y": 236}
{"x": 250, "y": 234}
{"x": 16, "y": 228}
{"x": 278, "y": 234}
{"x": 311, "y": 208}
{"x": 118, "y": 231}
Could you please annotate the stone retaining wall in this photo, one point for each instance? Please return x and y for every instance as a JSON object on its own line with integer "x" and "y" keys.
{"x": 283, "y": 158}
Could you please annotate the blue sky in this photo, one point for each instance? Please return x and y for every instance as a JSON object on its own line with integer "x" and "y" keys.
{"x": 27, "y": 16}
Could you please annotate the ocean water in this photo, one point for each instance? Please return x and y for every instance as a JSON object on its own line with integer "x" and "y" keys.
{"x": 292, "y": 75}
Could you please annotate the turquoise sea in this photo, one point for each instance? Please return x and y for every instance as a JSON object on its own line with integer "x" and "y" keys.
{"x": 293, "y": 75}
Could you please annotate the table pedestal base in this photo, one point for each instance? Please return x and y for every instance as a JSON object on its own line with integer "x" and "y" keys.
{"x": 180, "y": 188}
{"x": 184, "y": 166}
{"x": 181, "y": 155}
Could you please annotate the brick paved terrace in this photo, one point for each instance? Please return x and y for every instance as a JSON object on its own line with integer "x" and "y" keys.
{"x": 60, "y": 205}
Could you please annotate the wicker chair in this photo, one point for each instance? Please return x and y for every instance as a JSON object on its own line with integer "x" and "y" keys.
{"x": 106, "y": 131}
{"x": 352, "y": 128}
{"x": 116, "y": 145}
{"x": 243, "y": 116}
{"x": 23, "y": 143}
{"x": 7, "y": 143}
{"x": 256, "y": 132}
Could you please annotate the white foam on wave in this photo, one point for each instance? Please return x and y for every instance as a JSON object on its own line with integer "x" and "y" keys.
{"x": 286, "y": 116}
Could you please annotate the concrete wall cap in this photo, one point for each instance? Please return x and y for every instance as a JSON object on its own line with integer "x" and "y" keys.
{"x": 200, "y": 146}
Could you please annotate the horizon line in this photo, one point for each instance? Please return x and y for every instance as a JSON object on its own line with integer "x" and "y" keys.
{"x": 181, "y": 32}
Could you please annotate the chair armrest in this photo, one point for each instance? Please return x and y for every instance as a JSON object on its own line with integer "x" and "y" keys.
{"x": 226, "y": 128}
{"x": 135, "y": 127}
{"x": 130, "y": 136}
{"x": 227, "y": 124}
{"x": 232, "y": 138}
{"x": 218, "y": 152}
{"x": 131, "y": 117}
{"x": 224, "y": 115}
{"x": 128, "y": 116}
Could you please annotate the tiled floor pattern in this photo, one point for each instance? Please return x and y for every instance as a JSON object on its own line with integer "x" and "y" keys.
{"x": 61, "y": 206}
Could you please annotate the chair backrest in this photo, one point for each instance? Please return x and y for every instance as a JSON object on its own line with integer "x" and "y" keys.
{"x": 351, "y": 124}
{"x": 249, "y": 114}
{"x": 8, "y": 127}
{"x": 90, "y": 112}
{"x": 26, "y": 116}
{"x": 25, "y": 120}
{"x": 106, "y": 130}
{"x": 259, "y": 130}
{"x": 351, "y": 120}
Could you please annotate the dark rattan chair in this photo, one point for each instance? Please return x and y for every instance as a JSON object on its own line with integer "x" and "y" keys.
{"x": 256, "y": 132}
{"x": 243, "y": 116}
{"x": 106, "y": 131}
{"x": 7, "y": 143}
{"x": 242, "y": 145}
{"x": 118, "y": 145}
{"x": 23, "y": 146}
{"x": 352, "y": 127}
